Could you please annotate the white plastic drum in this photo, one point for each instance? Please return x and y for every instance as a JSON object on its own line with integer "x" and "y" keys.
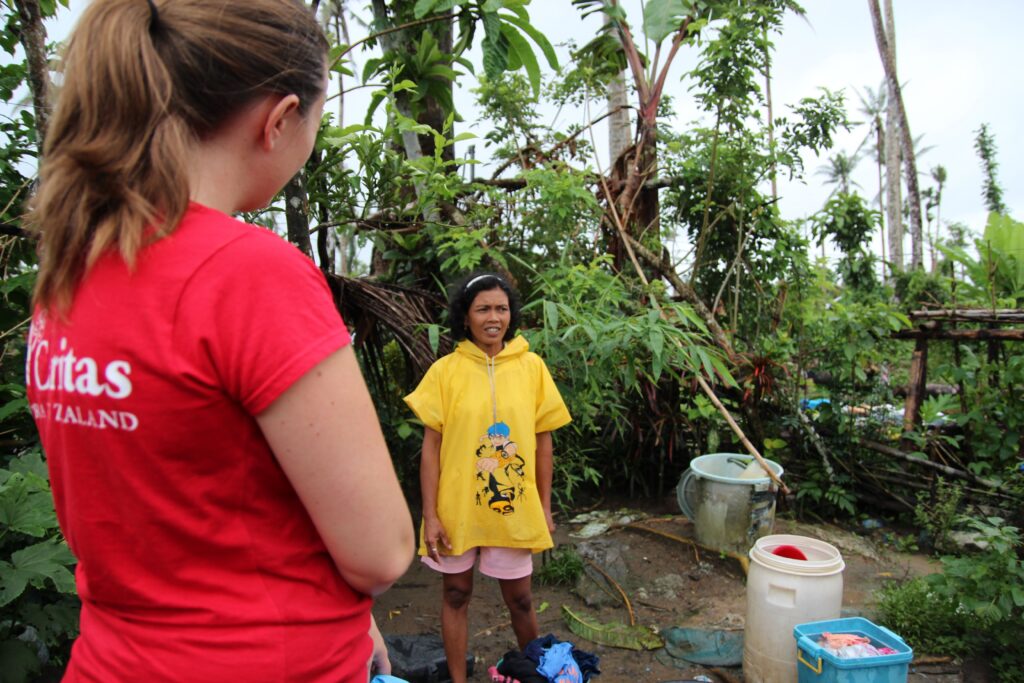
{"x": 781, "y": 593}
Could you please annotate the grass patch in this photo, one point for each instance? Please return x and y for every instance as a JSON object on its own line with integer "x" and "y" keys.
{"x": 563, "y": 568}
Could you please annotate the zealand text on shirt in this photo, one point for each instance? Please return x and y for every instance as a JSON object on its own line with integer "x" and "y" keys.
{"x": 85, "y": 417}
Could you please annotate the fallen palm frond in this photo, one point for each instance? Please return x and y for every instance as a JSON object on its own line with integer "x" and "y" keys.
{"x": 613, "y": 635}
{"x": 378, "y": 312}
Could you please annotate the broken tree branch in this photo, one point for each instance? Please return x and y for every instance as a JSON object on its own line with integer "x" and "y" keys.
{"x": 819, "y": 445}
{"x": 617, "y": 587}
{"x": 740, "y": 435}
{"x": 951, "y": 471}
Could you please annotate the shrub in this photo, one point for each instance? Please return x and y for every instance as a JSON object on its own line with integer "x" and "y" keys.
{"x": 562, "y": 569}
{"x": 38, "y": 608}
{"x": 989, "y": 589}
{"x": 974, "y": 607}
{"x": 937, "y": 514}
{"x": 928, "y": 622}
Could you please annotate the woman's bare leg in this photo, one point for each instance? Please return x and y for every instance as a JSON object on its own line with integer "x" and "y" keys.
{"x": 458, "y": 588}
{"x": 518, "y": 596}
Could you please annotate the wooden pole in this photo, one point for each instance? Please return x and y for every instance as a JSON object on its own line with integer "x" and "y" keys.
{"x": 985, "y": 334}
{"x": 916, "y": 385}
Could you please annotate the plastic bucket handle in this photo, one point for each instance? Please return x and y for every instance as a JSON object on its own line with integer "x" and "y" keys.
{"x": 685, "y": 492}
{"x": 808, "y": 644}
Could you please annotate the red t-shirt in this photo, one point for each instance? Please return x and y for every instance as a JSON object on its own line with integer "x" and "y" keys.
{"x": 197, "y": 560}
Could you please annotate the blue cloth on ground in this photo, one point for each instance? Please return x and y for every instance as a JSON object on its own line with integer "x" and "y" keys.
{"x": 558, "y": 665}
{"x": 384, "y": 678}
{"x": 587, "y": 662}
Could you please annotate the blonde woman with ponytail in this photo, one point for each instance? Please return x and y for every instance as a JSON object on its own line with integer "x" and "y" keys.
{"x": 216, "y": 462}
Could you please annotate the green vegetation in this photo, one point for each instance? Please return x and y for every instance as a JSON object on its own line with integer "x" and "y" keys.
{"x": 562, "y": 568}
{"x": 938, "y": 514}
{"x": 38, "y": 611}
{"x": 926, "y": 621}
{"x": 974, "y": 607}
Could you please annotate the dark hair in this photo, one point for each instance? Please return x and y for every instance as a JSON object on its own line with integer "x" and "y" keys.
{"x": 464, "y": 292}
{"x": 142, "y": 82}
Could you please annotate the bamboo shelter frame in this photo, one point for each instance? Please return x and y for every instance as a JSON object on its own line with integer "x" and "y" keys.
{"x": 930, "y": 325}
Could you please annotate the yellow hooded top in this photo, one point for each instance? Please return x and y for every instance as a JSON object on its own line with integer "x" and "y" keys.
{"x": 489, "y": 412}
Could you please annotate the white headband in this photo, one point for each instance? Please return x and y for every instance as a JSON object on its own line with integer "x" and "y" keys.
{"x": 482, "y": 277}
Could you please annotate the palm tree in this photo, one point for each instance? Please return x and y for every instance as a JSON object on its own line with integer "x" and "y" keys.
{"x": 938, "y": 174}
{"x": 872, "y": 106}
{"x": 839, "y": 172}
{"x": 885, "y": 37}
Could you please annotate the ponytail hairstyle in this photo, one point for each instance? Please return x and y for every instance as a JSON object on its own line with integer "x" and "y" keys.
{"x": 144, "y": 80}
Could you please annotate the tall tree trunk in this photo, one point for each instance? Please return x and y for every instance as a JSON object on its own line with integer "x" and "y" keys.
{"x": 879, "y": 147}
{"x": 434, "y": 113}
{"x": 296, "y": 212}
{"x": 893, "y": 200}
{"x": 648, "y": 227}
{"x": 390, "y": 41}
{"x": 619, "y": 129}
{"x": 342, "y": 37}
{"x": 885, "y": 37}
{"x": 638, "y": 202}
{"x": 33, "y": 40}
{"x": 620, "y": 132}
{"x": 940, "y": 179}
{"x": 411, "y": 142}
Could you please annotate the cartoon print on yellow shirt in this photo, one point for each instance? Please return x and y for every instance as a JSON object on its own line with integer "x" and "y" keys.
{"x": 500, "y": 470}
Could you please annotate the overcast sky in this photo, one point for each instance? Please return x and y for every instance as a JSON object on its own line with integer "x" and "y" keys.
{"x": 959, "y": 64}
{"x": 960, "y": 67}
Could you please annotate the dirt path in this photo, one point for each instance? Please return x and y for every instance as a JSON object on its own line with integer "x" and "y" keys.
{"x": 668, "y": 584}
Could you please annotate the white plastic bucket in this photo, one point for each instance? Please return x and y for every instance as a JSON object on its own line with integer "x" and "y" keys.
{"x": 728, "y": 512}
{"x": 781, "y": 594}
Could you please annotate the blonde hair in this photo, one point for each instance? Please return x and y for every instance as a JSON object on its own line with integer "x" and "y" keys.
{"x": 142, "y": 82}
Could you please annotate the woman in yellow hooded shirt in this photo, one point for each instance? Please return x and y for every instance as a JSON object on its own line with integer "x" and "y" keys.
{"x": 488, "y": 410}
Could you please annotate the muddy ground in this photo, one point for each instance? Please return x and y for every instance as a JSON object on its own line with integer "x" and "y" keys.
{"x": 668, "y": 584}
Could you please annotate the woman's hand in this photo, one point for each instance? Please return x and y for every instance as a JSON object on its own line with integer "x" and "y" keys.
{"x": 435, "y": 537}
{"x": 550, "y": 520}
{"x": 379, "y": 661}
{"x": 430, "y": 474}
{"x": 544, "y": 469}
